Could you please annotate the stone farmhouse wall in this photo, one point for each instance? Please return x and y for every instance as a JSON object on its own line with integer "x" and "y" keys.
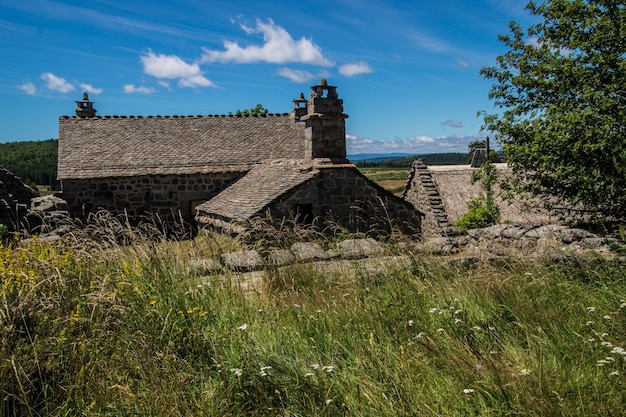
{"x": 344, "y": 193}
{"x": 165, "y": 195}
{"x": 15, "y": 198}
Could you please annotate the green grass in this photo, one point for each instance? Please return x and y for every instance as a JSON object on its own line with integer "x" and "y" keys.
{"x": 132, "y": 331}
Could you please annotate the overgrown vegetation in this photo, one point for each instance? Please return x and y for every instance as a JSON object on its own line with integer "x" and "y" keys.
{"x": 482, "y": 211}
{"x": 35, "y": 162}
{"x": 134, "y": 331}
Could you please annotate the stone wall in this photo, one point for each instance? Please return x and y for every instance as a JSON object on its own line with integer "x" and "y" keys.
{"x": 165, "y": 195}
{"x": 346, "y": 195}
{"x": 15, "y": 198}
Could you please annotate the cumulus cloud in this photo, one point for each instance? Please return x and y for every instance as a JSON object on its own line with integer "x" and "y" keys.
{"x": 452, "y": 123}
{"x": 29, "y": 88}
{"x": 415, "y": 145}
{"x": 56, "y": 83}
{"x": 131, "y": 88}
{"x": 355, "y": 69}
{"x": 90, "y": 89}
{"x": 173, "y": 67}
{"x": 278, "y": 47}
{"x": 298, "y": 76}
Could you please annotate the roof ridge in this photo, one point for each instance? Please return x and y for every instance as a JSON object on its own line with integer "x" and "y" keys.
{"x": 200, "y": 116}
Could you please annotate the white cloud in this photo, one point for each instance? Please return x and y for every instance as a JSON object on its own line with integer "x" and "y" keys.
{"x": 278, "y": 48}
{"x": 462, "y": 63}
{"x": 165, "y": 84}
{"x": 29, "y": 88}
{"x": 298, "y": 76}
{"x": 56, "y": 83}
{"x": 452, "y": 123}
{"x": 416, "y": 145}
{"x": 130, "y": 89}
{"x": 355, "y": 69}
{"x": 172, "y": 67}
{"x": 90, "y": 89}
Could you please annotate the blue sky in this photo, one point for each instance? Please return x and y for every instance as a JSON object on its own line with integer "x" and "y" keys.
{"x": 408, "y": 71}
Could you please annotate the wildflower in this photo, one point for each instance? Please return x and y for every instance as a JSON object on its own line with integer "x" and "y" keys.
{"x": 614, "y": 373}
{"x": 308, "y": 374}
{"x": 411, "y": 323}
{"x": 468, "y": 391}
{"x": 619, "y": 350}
{"x": 607, "y": 344}
{"x": 457, "y": 321}
{"x": 457, "y": 312}
{"x": 524, "y": 372}
{"x": 432, "y": 310}
{"x": 591, "y": 309}
{"x": 328, "y": 401}
{"x": 606, "y": 317}
{"x": 602, "y": 362}
{"x": 328, "y": 368}
{"x": 153, "y": 302}
{"x": 238, "y": 372}
{"x": 315, "y": 366}
{"x": 243, "y": 326}
{"x": 610, "y": 359}
{"x": 203, "y": 313}
{"x": 589, "y": 323}
{"x": 420, "y": 335}
{"x": 264, "y": 369}
{"x": 440, "y": 330}
{"x": 622, "y": 305}
{"x": 477, "y": 328}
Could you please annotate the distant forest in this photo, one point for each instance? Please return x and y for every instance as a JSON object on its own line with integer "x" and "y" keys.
{"x": 407, "y": 161}
{"x": 35, "y": 162}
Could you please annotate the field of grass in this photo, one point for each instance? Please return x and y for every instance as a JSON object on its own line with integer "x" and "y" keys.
{"x": 391, "y": 179}
{"x": 132, "y": 331}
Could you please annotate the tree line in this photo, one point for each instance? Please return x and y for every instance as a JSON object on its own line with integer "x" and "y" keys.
{"x": 35, "y": 162}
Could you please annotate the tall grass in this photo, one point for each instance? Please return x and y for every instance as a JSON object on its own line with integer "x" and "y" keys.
{"x": 133, "y": 331}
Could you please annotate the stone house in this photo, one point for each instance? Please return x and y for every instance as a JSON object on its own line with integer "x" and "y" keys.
{"x": 223, "y": 170}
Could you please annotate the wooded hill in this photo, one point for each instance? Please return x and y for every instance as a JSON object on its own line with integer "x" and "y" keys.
{"x": 35, "y": 162}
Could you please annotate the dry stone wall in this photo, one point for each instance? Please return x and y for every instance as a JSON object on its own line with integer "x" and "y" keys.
{"x": 165, "y": 195}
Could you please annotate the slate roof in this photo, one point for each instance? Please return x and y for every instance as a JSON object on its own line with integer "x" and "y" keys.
{"x": 257, "y": 189}
{"x": 110, "y": 146}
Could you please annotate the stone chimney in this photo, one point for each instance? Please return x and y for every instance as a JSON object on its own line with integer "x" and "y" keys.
{"x": 325, "y": 133}
{"x": 84, "y": 107}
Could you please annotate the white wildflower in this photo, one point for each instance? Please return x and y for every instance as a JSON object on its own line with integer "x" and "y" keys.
{"x": 457, "y": 312}
{"x": 614, "y": 373}
{"x": 619, "y": 350}
{"x": 243, "y": 326}
{"x": 264, "y": 369}
{"x": 607, "y": 344}
{"x": 432, "y": 310}
{"x": 477, "y": 328}
{"x": 524, "y": 372}
{"x": 591, "y": 309}
{"x": 606, "y": 317}
{"x": 328, "y": 401}
{"x": 610, "y": 359}
{"x": 308, "y": 374}
{"x": 589, "y": 323}
{"x": 457, "y": 321}
{"x": 315, "y": 366}
{"x": 602, "y": 362}
{"x": 440, "y": 330}
{"x": 411, "y": 323}
{"x": 622, "y": 305}
{"x": 420, "y": 335}
{"x": 236, "y": 371}
{"x": 468, "y": 391}
{"x": 328, "y": 368}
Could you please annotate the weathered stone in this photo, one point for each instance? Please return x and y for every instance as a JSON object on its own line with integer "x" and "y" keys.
{"x": 308, "y": 251}
{"x": 573, "y": 235}
{"x": 548, "y": 231}
{"x": 203, "y": 266}
{"x": 440, "y": 246}
{"x": 248, "y": 260}
{"x": 593, "y": 242}
{"x": 359, "y": 248}
{"x": 281, "y": 257}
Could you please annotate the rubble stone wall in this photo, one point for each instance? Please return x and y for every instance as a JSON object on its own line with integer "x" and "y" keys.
{"x": 165, "y": 195}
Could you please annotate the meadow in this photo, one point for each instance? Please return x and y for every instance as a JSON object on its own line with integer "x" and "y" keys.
{"x": 112, "y": 330}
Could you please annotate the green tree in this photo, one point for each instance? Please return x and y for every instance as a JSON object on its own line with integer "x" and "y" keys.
{"x": 258, "y": 110}
{"x": 562, "y": 90}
